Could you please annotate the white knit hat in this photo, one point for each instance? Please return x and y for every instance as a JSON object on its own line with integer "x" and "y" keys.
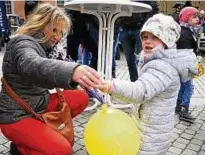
{"x": 164, "y": 27}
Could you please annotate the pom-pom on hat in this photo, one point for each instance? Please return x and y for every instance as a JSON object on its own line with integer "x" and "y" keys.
{"x": 164, "y": 27}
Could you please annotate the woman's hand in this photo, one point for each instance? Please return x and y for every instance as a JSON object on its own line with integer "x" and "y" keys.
{"x": 86, "y": 77}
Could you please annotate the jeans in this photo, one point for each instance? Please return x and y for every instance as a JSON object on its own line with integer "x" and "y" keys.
{"x": 131, "y": 45}
{"x": 84, "y": 56}
{"x": 115, "y": 50}
{"x": 185, "y": 93}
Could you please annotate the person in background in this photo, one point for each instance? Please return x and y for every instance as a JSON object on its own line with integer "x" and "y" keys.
{"x": 84, "y": 56}
{"x": 30, "y": 73}
{"x": 202, "y": 20}
{"x": 178, "y": 6}
{"x": 161, "y": 66}
{"x": 29, "y": 7}
{"x": 130, "y": 36}
{"x": 84, "y": 32}
{"x": 189, "y": 21}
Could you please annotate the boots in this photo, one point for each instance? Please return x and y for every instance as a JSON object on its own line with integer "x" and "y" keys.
{"x": 14, "y": 150}
{"x": 178, "y": 108}
{"x": 184, "y": 115}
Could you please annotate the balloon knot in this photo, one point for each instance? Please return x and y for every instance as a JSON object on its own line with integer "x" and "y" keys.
{"x": 104, "y": 108}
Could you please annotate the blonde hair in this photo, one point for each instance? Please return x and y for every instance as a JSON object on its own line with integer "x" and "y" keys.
{"x": 44, "y": 15}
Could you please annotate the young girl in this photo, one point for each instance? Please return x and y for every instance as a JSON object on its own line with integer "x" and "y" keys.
{"x": 160, "y": 69}
{"x": 189, "y": 21}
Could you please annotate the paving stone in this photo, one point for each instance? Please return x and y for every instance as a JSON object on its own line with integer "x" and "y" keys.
{"x": 199, "y": 121}
{"x": 181, "y": 126}
{"x": 170, "y": 153}
{"x": 189, "y": 152}
{"x": 175, "y": 150}
{"x": 80, "y": 152}
{"x": 191, "y": 132}
{"x": 179, "y": 131}
{"x": 81, "y": 142}
{"x": 194, "y": 128}
{"x": 194, "y": 147}
{"x": 185, "y": 123}
{"x": 197, "y": 142}
{"x": 200, "y": 136}
{"x": 203, "y": 147}
{"x": 83, "y": 120}
{"x": 202, "y": 118}
{"x": 174, "y": 136}
{"x": 3, "y": 140}
{"x": 7, "y": 144}
{"x": 203, "y": 127}
{"x": 201, "y": 153}
{"x": 179, "y": 145}
{"x": 200, "y": 132}
{"x": 78, "y": 129}
{"x": 3, "y": 148}
{"x": 182, "y": 140}
{"x": 80, "y": 135}
{"x": 76, "y": 123}
{"x": 77, "y": 147}
{"x": 187, "y": 136}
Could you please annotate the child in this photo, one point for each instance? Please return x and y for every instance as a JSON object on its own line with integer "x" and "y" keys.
{"x": 189, "y": 21}
{"x": 160, "y": 69}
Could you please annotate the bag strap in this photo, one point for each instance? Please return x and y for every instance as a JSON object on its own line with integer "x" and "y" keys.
{"x": 25, "y": 105}
{"x": 61, "y": 97}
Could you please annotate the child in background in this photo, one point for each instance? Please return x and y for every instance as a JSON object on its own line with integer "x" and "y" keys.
{"x": 189, "y": 21}
{"x": 161, "y": 68}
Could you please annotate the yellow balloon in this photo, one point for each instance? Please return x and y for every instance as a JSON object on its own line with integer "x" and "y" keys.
{"x": 111, "y": 132}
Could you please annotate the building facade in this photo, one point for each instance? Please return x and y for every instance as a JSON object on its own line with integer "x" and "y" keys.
{"x": 167, "y": 6}
{"x": 16, "y": 7}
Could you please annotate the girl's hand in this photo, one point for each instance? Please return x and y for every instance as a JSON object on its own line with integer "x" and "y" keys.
{"x": 106, "y": 87}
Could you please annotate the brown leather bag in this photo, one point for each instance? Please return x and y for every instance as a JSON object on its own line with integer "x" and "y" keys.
{"x": 59, "y": 120}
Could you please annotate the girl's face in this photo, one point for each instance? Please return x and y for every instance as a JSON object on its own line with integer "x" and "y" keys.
{"x": 194, "y": 20}
{"x": 149, "y": 42}
{"x": 55, "y": 35}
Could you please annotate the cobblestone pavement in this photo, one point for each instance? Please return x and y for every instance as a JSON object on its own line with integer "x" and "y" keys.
{"x": 188, "y": 139}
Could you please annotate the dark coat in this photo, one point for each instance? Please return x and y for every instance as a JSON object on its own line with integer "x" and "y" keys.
{"x": 30, "y": 73}
{"x": 187, "y": 40}
{"x": 81, "y": 34}
{"x": 137, "y": 20}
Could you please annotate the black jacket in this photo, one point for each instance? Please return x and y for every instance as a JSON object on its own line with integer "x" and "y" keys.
{"x": 187, "y": 40}
{"x": 81, "y": 34}
{"x": 137, "y": 20}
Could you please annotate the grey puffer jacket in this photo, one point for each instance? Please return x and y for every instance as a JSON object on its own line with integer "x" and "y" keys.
{"x": 30, "y": 73}
{"x": 157, "y": 90}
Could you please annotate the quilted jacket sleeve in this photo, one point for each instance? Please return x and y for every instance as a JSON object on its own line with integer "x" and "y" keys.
{"x": 38, "y": 69}
{"x": 156, "y": 77}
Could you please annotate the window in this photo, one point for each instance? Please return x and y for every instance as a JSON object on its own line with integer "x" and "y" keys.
{"x": 8, "y": 7}
{"x": 60, "y": 3}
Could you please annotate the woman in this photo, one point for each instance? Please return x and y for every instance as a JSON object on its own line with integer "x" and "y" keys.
{"x": 30, "y": 73}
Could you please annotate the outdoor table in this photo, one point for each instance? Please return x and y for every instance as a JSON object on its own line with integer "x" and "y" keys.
{"x": 107, "y": 11}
